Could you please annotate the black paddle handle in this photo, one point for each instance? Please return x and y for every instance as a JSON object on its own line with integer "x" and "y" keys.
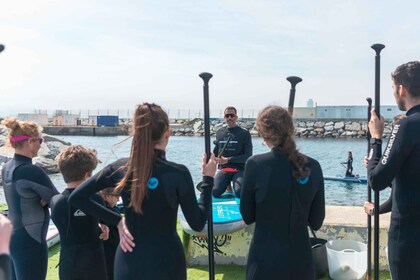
{"x": 206, "y": 78}
{"x": 369, "y": 198}
{"x": 294, "y": 80}
{"x": 378, "y": 48}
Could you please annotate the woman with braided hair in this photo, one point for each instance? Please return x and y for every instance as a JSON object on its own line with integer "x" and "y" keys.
{"x": 283, "y": 193}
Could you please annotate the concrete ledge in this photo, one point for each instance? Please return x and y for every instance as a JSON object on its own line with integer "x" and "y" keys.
{"x": 341, "y": 222}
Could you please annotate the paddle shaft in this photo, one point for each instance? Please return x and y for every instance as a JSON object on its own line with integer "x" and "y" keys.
{"x": 369, "y": 199}
{"x": 294, "y": 80}
{"x": 206, "y": 77}
{"x": 378, "y": 48}
{"x": 225, "y": 145}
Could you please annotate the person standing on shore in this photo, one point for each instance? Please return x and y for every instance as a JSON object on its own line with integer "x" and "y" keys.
{"x": 82, "y": 253}
{"x": 400, "y": 162}
{"x": 111, "y": 197}
{"x": 238, "y": 150}
{"x": 28, "y": 190}
{"x": 5, "y": 234}
{"x": 283, "y": 193}
{"x": 152, "y": 188}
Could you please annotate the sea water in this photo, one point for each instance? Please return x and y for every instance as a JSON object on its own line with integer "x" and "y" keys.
{"x": 189, "y": 150}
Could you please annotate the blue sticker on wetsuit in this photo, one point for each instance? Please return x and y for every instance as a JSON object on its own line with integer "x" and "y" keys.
{"x": 303, "y": 181}
{"x": 153, "y": 183}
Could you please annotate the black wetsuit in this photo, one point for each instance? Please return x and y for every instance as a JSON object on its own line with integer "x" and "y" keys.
{"x": 24, "y": 186}
{"x": 237, "y": 151}
{"x": 349, "y": 170}
{"x": 401, "y": 161}
{"x": 111, "y": 245}
{"x": 281, "y": 210}
{"x": 5, "y": 267}
{"x": 158, "y": 254}
{"x": 82, "y": 253}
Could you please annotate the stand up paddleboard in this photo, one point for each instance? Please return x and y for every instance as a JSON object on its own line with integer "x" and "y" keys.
{"x": 226, "y": 217}
{"x": 53, "y": 236}
{"x": 348, "y": 179}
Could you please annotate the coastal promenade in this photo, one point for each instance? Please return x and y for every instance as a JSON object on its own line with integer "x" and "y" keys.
{"x": 195, "y": 127}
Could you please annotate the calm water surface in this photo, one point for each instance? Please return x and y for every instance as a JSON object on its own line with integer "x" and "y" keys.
{"x": 188, "y": 151}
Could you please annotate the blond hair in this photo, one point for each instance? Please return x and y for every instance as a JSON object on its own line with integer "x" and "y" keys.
{"x": 21, "y": 128}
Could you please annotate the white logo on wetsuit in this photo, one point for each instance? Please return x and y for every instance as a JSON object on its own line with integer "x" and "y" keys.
{"x": 79, "y": 213}
{"x": 390, "y": 144}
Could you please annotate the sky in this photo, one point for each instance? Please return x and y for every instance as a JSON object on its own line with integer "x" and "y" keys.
{"x": 91, "y": 55}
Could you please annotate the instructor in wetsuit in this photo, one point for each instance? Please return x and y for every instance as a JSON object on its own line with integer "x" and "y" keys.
{"x": 27, "y": 189}
{"x": 283, "y": 193}
{"x": 152, "y": 188}
{"x": 232, "y": 162}
{"x": 400, "y": 161}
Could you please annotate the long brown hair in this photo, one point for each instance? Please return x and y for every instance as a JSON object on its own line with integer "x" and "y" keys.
{"x": 149, "y": 125}
{"x": 21, "y": 128}
{"x": 276, "y": 126}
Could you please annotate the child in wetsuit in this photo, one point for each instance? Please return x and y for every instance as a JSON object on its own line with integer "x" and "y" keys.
{"x": 82, "y": 252}
{"x": 111, "y": 197}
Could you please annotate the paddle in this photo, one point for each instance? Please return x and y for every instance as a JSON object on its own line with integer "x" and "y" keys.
{"x": 226, "y": 144}
{"x": 199, "y": 186}
{"x": 206, "y": 77}
{"x": 369, "y": 195}
{"x": 1, "y": 48}
{"x": 378, "y": 48}
{"x": 294, "y": 80}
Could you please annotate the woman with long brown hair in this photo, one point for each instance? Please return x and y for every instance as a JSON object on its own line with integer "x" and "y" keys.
{"x": 27, "y": 189}
{"x": 283, "y": 193}
{"x": 151, "y": 188}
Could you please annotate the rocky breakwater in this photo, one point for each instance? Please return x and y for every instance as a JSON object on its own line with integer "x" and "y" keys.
{"x": 50, "y": 148}
{"x": 309, "y": 129}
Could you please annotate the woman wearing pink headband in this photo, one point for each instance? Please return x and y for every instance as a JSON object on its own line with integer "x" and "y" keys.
{"x": 27, "y": 189}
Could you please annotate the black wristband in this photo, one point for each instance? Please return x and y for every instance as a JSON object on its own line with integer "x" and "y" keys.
{"x": 374, "y": 141}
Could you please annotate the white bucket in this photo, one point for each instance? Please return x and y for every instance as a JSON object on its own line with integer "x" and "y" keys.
{"x": 347, "y": 259}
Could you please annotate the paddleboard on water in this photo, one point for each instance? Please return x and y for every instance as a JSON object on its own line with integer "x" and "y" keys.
{"x": 349, "y": 179}
{"x": 226, "y": 217}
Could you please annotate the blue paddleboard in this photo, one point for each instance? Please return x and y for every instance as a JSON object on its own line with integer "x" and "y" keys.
{"x": 226, "y": 217}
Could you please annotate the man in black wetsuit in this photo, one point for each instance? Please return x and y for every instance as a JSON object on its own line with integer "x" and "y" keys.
{"x": 82, "y": 252}
{"x": 400, "y": 162}
{"x": 236, "y": 145}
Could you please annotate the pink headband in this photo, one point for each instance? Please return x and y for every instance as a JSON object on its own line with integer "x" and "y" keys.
{"x": 19, "y": 138}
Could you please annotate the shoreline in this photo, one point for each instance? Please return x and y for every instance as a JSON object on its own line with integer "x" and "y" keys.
{"x": 195, "y": 127}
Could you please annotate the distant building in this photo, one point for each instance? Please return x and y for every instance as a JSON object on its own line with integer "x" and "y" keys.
{"x": 41, "y": 119}
{"x": 310, "y": 103}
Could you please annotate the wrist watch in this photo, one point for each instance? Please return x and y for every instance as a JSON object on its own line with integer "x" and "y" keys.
{"x": 374, "y": 141}
{"x": 372, "y": 211}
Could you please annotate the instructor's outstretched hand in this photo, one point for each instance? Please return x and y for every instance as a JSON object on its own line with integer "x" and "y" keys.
{"x": 126, "y": 239}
